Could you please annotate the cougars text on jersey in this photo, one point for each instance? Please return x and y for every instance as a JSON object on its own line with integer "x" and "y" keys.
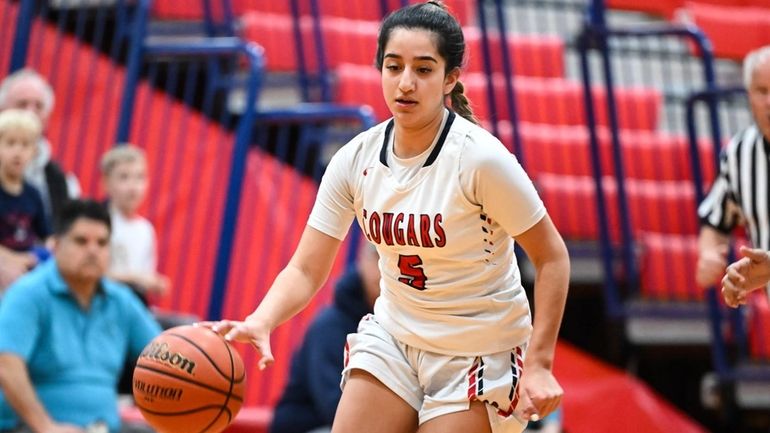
{"x": 390, "y": 228}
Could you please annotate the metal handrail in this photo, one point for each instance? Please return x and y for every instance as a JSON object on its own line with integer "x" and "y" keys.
{"x": 594, "y": 37}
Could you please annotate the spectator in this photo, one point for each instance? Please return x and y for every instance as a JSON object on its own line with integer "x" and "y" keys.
{"x": 133, "y": 252}
{"x": 745, "y": 275}
{"x": 310, "y": 398}
{"x": 23, "y": 224}
{"x": 739, "y": 193}
{"x": 133, "y": 243}
{"x": 65, "y": 331}
{"x": 27, "y": 90}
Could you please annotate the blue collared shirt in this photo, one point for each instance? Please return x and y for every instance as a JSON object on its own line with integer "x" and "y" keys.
{"x": 74, "y": 356}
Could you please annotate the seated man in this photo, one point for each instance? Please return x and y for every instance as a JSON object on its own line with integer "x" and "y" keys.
{"x": 311, "y": 396}
{"x": 65, "y": 331}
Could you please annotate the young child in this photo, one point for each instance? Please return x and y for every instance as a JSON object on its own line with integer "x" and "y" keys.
{"x": 132, "y": 245}
{"x": 23, "y": 224}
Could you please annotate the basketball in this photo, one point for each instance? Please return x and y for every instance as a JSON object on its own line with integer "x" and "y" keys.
{"x": 189, "y": 380}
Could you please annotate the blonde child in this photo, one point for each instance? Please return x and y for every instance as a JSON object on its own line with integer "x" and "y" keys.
{"x": 133, "y": 242}
{"x": 23, "y": 223}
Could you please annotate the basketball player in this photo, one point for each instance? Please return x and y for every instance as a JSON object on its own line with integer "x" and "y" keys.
{"x": 442, "y": 201}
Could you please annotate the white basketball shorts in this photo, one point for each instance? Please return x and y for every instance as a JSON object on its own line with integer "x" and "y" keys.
{"x": 435, "y": 384}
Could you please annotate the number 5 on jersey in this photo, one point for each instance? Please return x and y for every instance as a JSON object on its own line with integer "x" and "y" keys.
{"x": 411, "y": 273}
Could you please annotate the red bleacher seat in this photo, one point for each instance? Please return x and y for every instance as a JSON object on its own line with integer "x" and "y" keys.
{"x": 667, "y": 8}
{"x": 571, "y": 204}
{"x": 667, "y": 267}
{"x": 663, "y": 8}
{"x": 355, "y": 42}
{"x": 531, "y": 55}
{"x": 464, "y": 10}
{"x": 273, "y": 7}
{"x": 186, "y": 11}
{"x": 361, "y": 85}
{"x": 733, "y": 31}
{"x": 539, "y": 100}
{"x": 559, "y": 101}
{"x": 274, "y": 32}
{"x": 759, "y": 326}
{"x": 665, "y": 207}
{"x": 650, "y": 155}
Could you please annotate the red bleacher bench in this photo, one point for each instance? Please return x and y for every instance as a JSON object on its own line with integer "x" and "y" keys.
{"x": 667, "y": 8}
{"x": 733, "y": 30}
{"x": 653, "y": 206}
{"x": 355, "y": 42}
{"x": 555, "y": 101}
{"x": 667, "y": 267}
{"x": 559, "y": 101}
{"x": 463, "y": 10}
{"x": 565, "y": 149}
{"x": 255, "y": 419}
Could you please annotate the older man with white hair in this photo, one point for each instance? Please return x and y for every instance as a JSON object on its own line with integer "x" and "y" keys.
{"x": 741, "y": 192}
{"x": 26, "y": 89}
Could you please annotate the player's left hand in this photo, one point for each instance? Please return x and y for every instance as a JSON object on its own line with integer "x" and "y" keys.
{"x": 539, "y": 393}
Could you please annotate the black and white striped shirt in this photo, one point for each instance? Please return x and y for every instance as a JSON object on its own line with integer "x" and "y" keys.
{"x": 740, "y": 192}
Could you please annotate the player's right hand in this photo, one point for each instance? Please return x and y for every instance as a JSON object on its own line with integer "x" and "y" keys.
{"x": 539, "y": 393}
{"x": 248, "y": 331}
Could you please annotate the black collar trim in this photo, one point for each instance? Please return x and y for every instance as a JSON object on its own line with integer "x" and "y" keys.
{"x": 433, "y": 155}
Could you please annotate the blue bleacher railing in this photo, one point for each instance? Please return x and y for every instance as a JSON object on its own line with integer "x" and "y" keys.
{"x": 138, "y": 30}
{"x": 313, "y": 119}
{"x": 487, "y": 60}
{"x": 210, "y": 48}
{"x": 218, "y": 18}
{"x": 320, "y": 52}
{"x": 508, "y": 74}
{"x": 612, "y": 298}
{"x": 303, "y": 76}
{"x": 708, "y": 96}
{"x": 719, "y": 350}
{"x": 21, "y": 38}
{"x": 595, "y": 36}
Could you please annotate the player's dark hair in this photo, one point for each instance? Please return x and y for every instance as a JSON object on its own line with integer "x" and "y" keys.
{"x": 434, "y": 17}
{"x": 73, "y": 210}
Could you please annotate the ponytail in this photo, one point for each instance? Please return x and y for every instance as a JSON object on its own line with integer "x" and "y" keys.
{"x": 460, "y": 103}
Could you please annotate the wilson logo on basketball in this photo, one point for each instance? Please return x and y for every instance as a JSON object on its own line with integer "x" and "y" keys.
{"x": 160, "y": 352}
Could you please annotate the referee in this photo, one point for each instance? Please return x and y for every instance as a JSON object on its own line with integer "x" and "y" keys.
{"x": 740, "y": 194}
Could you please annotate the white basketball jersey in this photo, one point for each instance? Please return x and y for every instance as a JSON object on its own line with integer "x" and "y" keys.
{"x": 450, "y": 283}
